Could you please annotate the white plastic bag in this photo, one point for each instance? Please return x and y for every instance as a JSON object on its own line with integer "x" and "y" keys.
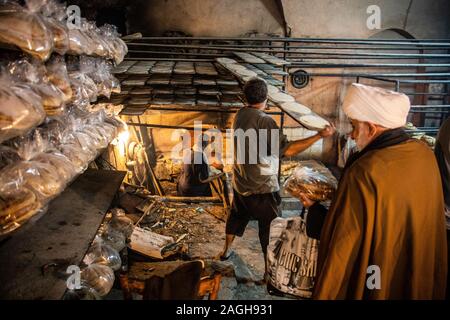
{"x": 291, "y": 257}
{"x": 99, "y": 277}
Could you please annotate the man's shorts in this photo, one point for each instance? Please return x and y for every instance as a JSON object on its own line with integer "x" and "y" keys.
{"x": 260, "y": 207}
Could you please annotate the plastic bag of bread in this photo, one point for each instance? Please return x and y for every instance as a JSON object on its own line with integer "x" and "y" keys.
{"x": 17, "y": 205}
{"x": 78, "y": 42}
{"x": 83, "y": 87}
{"x": 99, "y": 277}
{"x": 313, "y": 179}
{"x": 63, "y": 167}
{"x": 75, "y": 155}
{"x": 55, "y": 17}
{"x": 20, "y": 108}
{"x": 29, "y": 146}
{"x": 36, "y": 176}
{"x": 8, "y": 155}
{"x": 117, "y": 48}
{"x": 101, "y": 253}
{"x": 34, "y": 74}
{"x": 98, "y": 42}
{"x": 25, "y": 28}
{"x": 58, "y": 76}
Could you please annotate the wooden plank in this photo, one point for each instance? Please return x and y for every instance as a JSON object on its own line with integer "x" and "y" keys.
{"x": 34, "y": 260}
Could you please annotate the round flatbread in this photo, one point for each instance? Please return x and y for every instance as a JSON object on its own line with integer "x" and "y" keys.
{"x": 272, "y": 89}
{"x": 236, "y": 67}
{"x": 295, "y": 107}
{"x": 246, "y": 73}
{"x": 226, "y": 60}
{"x": 280, "y": 97}
{"x": 313, "y": 122}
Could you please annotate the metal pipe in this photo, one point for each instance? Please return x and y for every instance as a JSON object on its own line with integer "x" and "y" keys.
{"x": 180, "y": 53}
{"x": 432, "y": 106}
{"x": 370, "y": 47}
{"x": 366, "y": 65}
{"x": 170, "y": 59}
{"x": 205, "y": 110}
{"x": 161, "y": 126}
{"x": 428, "y": 42}
{"x": 396, "y": 75}
{"x": 205, "y": 47}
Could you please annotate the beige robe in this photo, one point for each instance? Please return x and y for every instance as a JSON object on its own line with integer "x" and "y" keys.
{"x": 389, "y": 212}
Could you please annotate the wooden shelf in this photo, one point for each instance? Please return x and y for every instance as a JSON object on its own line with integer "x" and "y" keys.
{"x": 34, "y": 260}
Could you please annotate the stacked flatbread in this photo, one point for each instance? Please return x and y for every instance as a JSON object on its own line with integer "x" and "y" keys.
{"x": 20, "y": 110}
{"x": 26, "y": 30}
{"x": 313, "y": 179}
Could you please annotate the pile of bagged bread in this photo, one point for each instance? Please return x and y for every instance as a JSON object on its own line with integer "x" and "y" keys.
{"x": 36, "y": 167}
{"x": 42, "y": 27}
{"x": 30, "y": 90}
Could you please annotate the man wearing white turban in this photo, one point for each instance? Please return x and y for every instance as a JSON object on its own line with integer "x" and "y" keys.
{"x": 384, "y": 235}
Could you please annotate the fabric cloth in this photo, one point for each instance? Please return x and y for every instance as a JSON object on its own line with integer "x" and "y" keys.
{"x": 261, "y": 176}
{"x": 167, "y": 286}
{"x": 315, "y": 220}
{"x": 386, "y": 139}
{"x": 317, "y": 212}
{"x": 260, "y": 207}
{"x": 189, "y": 184}
{"x": 388, "y": 212}
{"x": 442, "y": 152}
{"x": 376, "y": 105}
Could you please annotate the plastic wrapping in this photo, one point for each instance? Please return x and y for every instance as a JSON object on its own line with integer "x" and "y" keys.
{"x": 29, "y": 146}
{"x": 63, "y": 167}
{"x": 17, "y": 204}
{"x": 8, "y": 155}
{"x": 99, "y": 70}
{"x": 99, "y": 277}
{"x": 117, "y": 49}
{"x": 313, "y": 179}
{"x": 25, "y": 28}
{"x": 58, "y": 76}
{"x": 102, "y": 253}
{"x": 20, "y": 109}
{"x": 34, "y": 74}
{"x": 122, "y": 224}
{"x": 78, "y": 42}
{"x": 99, "y": 44}
{"x": 84, "y": 293}
{"x": 114, "y": 238}
{"x": 38, "y": 166}
{"x": 83, "y": 87}
{"x": 38, "y": 177}
{"x": 55, "y": 16}
{"x": 291, "y": 257}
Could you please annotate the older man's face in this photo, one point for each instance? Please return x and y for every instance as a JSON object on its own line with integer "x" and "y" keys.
{"x": 361, "y": 134}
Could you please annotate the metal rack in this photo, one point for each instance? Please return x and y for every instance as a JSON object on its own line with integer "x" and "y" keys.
{"x": 428, "y": 64}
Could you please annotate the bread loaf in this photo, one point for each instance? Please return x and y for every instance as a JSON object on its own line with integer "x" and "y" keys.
{"x": 16, "y": 208}
{"x": 20, "y": 110}
{"x": 25, "y": 30}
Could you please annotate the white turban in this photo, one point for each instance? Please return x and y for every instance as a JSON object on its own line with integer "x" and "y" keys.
{"x": 376, "y": 105}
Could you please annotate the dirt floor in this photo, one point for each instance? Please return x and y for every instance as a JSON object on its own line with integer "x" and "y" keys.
{"x": 202, "y": 229}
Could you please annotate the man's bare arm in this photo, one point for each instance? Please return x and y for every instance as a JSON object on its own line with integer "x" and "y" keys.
{"x": 295, "y": 147}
